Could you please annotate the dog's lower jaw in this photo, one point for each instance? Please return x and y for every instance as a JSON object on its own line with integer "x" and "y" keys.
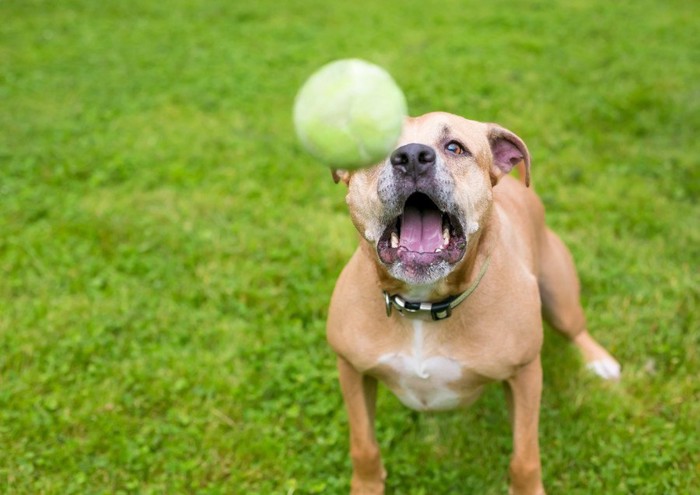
{"x": 417, "y": 275}
{"x": 403, "y": 278}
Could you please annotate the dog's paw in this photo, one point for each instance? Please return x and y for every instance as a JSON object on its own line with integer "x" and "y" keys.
{"x": 606, "y": 368}
{"x": 538, "y": 491}
{"x": 367, "y": 488}
{"x": 372, "y": 486}
{"x": 597, "y": 358}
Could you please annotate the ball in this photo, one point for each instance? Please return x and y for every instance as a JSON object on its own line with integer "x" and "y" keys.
{"x": 349, "y": 114}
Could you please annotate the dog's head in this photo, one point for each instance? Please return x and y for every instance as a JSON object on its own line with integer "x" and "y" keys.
{"x": 424, "y": 205}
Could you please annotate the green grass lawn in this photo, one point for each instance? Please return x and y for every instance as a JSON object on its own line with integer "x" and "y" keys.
{"x": 167, "y": 251}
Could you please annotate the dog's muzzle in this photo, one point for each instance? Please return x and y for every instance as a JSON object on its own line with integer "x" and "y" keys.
{"x": 425, "y": 237}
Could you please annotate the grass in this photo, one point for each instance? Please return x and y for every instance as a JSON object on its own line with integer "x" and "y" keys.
{"x": 167, "y": 250}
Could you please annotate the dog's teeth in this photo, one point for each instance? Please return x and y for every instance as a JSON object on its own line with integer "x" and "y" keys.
{"x": 438, "y": 250}
{"x": 446, "y": 235}
{"x": 394, "y": 240}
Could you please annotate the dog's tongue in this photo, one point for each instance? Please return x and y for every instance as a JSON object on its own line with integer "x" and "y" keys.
{"x": 421, "y": 230}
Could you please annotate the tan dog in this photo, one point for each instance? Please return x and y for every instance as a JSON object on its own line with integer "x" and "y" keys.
{"x": 448, "y": 286}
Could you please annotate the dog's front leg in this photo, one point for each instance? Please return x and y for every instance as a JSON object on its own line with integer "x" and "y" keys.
{"x": 360, "y": 394}
{"x": 524, "y": 391}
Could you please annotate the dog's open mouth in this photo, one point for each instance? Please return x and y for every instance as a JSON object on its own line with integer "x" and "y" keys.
{"x": 423, "y": 234}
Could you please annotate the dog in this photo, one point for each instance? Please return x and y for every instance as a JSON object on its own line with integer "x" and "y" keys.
{"x": 448, "y": 287}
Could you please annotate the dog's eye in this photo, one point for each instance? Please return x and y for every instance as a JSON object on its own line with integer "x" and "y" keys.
{"x": 455, "y": 148}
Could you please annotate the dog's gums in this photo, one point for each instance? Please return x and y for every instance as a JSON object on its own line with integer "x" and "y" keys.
{"x": 422, "y": 235}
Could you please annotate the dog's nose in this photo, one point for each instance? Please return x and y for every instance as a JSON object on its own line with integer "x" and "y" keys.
{"x": 413, "y": 159}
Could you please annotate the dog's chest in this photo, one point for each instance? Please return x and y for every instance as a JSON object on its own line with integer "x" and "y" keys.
{"x": 424, "y": 378}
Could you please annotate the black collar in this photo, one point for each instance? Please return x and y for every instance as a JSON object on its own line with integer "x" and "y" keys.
{"x": 437, "y": 310}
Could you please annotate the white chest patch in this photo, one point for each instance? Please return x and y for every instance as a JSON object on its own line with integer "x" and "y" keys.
{"x": 422, "y": 382}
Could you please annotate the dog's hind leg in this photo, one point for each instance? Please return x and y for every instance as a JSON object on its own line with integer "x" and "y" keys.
{"x": 561, "y": 306}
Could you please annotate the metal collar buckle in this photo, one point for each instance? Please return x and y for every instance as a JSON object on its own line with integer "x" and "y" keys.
{"x": 438, "y": 311}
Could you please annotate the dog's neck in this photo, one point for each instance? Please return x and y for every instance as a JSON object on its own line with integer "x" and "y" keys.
{"x": 417, "y": 293}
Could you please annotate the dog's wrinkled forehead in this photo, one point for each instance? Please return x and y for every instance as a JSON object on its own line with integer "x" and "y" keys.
{"x": 437, "y": 129}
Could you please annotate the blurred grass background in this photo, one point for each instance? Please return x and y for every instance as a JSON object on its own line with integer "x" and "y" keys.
{"x": 167, "y": 251}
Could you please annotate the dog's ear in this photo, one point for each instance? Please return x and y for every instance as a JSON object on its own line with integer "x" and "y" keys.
{"x": 508, "y": 151}
{"x": 340, "y": 175}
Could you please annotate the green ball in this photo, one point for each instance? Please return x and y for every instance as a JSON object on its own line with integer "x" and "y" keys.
{"x": 349, "y": 114}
